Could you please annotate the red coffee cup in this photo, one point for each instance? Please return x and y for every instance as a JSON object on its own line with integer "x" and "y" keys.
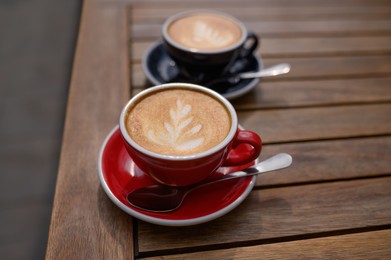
{"x": 239, "y": 147}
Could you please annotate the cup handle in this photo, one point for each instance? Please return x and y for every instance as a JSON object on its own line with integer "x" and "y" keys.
{"x": 250, "y": 45}
{"x": 245, "y": 148}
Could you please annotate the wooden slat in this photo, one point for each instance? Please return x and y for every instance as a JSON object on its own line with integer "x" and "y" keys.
{"x": 312, "y": 68}
{"x": 330, "y": 161}
{"x": 324, "y": 46}
{"x": 213, "y": 3}
{"x": 316, "y": 93}
{"x": 85, "y": 224}
{"x": 291, "y": 28}
{"x": 288, "y": 48}
{"x": 282, "y": 212}
{"x": 283, "y": 125}
{"x": 148, "y": 15}
{"x": 367, "y": 245}
{"x": 284, "y": 94}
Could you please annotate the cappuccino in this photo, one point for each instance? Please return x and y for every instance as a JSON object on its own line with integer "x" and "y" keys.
{"x": 178, "y": 122}
{"x": 205, "y": 32}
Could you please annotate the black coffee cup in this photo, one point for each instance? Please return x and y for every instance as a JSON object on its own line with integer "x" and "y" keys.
{"x": 206, "y": 43}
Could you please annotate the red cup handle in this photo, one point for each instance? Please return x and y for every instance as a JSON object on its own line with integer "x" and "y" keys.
{"x": 246, "y": 147}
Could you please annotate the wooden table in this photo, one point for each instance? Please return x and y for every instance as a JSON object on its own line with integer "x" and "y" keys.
{"x": 332, "y": 113}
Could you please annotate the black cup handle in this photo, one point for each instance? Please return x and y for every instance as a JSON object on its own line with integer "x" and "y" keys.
{"x": 249, "y": 45}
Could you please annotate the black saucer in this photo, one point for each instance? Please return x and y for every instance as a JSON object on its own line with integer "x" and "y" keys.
{"x": 160, "y": 68}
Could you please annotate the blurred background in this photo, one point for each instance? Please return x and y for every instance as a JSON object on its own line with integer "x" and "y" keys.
{"x": 37, "y": 43}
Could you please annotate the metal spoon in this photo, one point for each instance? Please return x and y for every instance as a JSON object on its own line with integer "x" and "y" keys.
{"x": 161, "y": 198}
{"x": 275, "y": 70}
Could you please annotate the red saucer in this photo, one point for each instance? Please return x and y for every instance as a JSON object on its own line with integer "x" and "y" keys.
{"x": 119, "y": 175}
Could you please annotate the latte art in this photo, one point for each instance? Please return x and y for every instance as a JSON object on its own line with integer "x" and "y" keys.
{"x": 173, "y": 133}
{"x": 178, "y": 122}
{"x": 205, "y": 32}
{"x": 206, "y": 35}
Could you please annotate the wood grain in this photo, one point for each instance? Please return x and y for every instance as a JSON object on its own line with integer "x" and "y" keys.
{"x": 311, "y": 124}
{"x": 329, "y": 161}
{"x": 290, "y": 28}
{"x": 191, "y": 3}
{"x": 85, "y": 224}
{"x": 306, "y": 124}
{"x": 280, "y": 213}
{"x": 307, "y": 93}
{"x": 284, "y": 94}
{"x": 173, "y": 3}
{"x": 367, "y": 245}
{"x": 147, "y": 15}
{"x": 312, "y": 68}
{"x": 213, "y": 3}
{"x": 302, "y": 47}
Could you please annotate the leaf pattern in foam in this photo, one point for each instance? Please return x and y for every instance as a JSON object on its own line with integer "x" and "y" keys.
{"x": 205, "y": 33}
{"x": 173, "y": 135}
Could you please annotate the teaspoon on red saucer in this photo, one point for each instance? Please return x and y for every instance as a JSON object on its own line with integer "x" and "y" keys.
{"x": 162, "y": 198}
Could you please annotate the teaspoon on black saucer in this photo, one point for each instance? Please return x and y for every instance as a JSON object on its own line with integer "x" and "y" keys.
{"x": 159, "y": 68}
{"x": 275, "y": 70}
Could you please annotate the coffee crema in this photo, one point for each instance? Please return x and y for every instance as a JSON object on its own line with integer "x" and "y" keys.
{"x": 205, "y": 32}
{"x": 178, "y": 122}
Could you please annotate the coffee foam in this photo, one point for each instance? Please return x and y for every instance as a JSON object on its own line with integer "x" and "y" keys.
{"x": 205, "y": 32}
{"x": 178, "y": 122}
